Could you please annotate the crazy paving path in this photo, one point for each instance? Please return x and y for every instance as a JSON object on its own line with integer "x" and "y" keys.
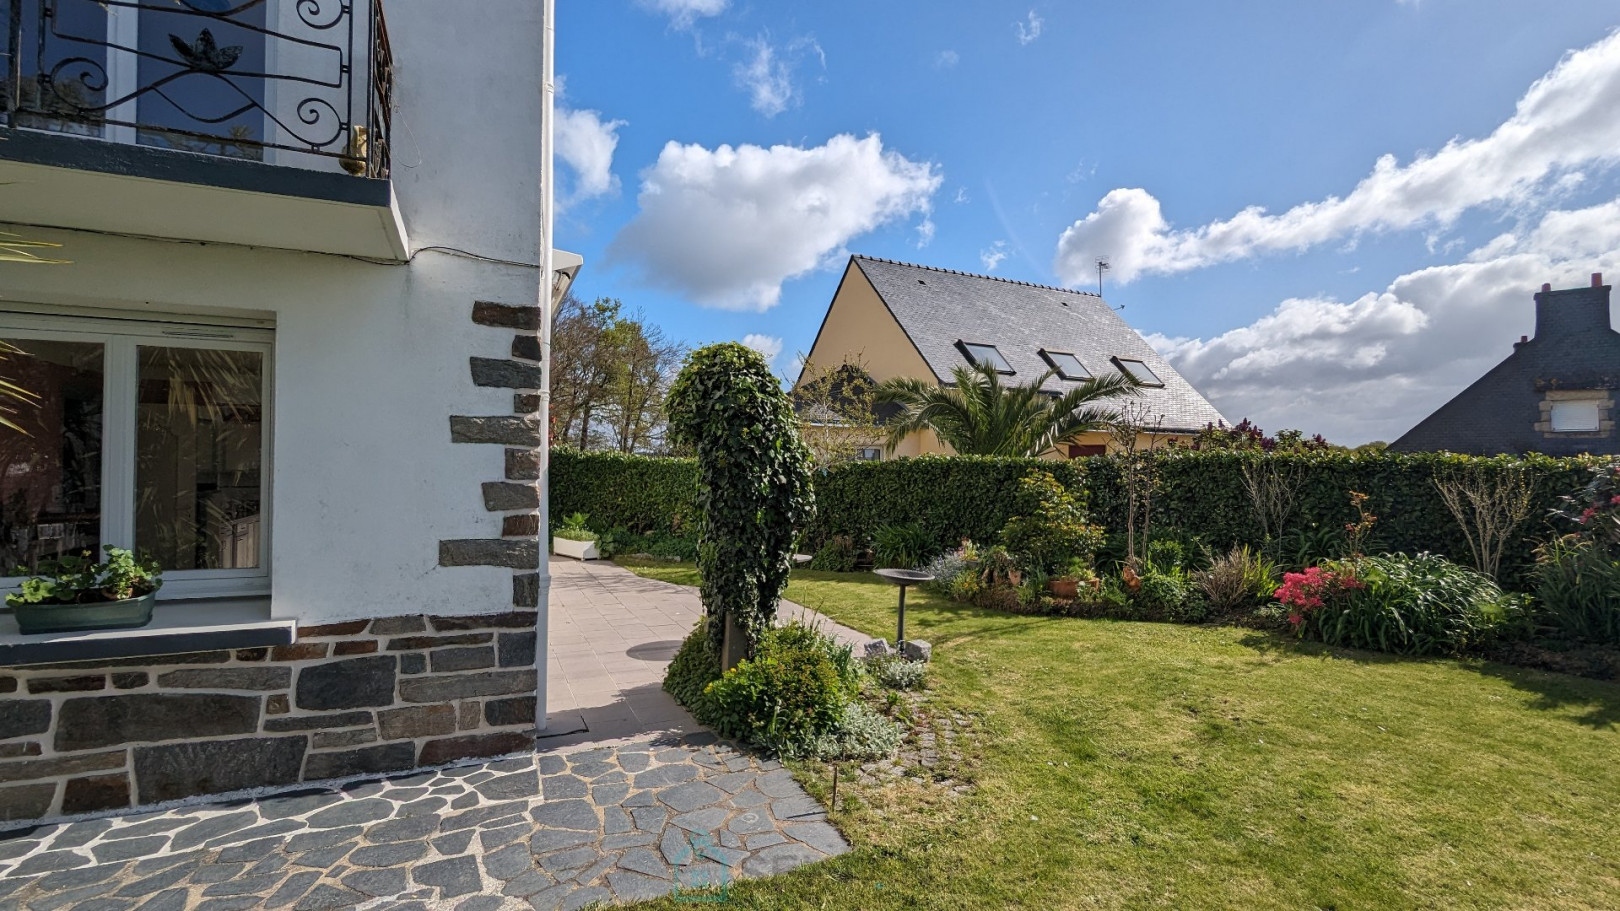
{"x": 617, "y": 824}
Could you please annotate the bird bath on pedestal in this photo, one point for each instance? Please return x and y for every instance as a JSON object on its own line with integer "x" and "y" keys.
{"x": 903, "y": 578}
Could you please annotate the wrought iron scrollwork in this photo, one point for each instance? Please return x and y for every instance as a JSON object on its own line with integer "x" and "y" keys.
{"x": 330, "y": 95}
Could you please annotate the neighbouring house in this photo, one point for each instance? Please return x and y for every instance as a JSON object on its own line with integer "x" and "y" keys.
{"x": 1554, "y": 394}
{"x": 903, "y": 320}
{"x": 297, "y": 356}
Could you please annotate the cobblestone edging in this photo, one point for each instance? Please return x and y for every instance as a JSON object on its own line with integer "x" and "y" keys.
{"x": 345, "y": 699}
{"x": 617, "y": 825}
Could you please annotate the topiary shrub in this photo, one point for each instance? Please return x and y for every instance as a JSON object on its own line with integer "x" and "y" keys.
{"x": 753, "y": 487}
{"x": 694, "y": 667}
{"x": 1049, "y": 528}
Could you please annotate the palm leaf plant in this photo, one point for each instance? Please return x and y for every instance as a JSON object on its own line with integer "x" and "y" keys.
{"x": 977, "y": 415}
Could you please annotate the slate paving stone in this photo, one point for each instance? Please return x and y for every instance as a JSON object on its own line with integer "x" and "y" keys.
{"x": 567, "y": 814}
{"x": 819, "y": 835}
{"x": 557, "y": 786}
{"x": 780, "y": 858}
{"x": 422, "y": 806}
{"x": 797, "y": 808}
{"x": 571, "y": 859}
{"x": 552, "y": 899}
{"x": 452, "y": 877}
{"x": 326, "y": 838}
{"x": 380, "y": 883}
{"x": 481, "y": 903}
{"x": 705, "y": 820}
{"x": 586, "y": 897}
{"x": 233, "y": 903}
{"x": 547, "y": 840}
{"x": 292, "y": 889}
{"x": 749, "y": 799}
{"x": 351, "y": 814}
{"x": 779, "y": 783}
{"x": 50, "y": 862}
{"x": 511, "y": 787}
{"x": 732, "y": 782}
{"x": 298, "y": 805}
{"x": 454, "y": 843}
{"x": 213, "y": 873}
{"x": 245, "y": 885}
{"x": 324, "y": 897}
{"x": 390, "y": 855}
{"x": 645, "y": 861}
{"x": 615, "y": 821}
{"x": 649, "y": 819}
{"x": 690, "y": 796}
{"x": 194, "y": 835}
{"x": 528, "y": 884}
{"x": 410, "y": 828}
{"x": 591, "y": 769}
{"x": 551, "y": 764}
{"x": 758, "y": 842}
{"x": 69, "y": 879}
{"x": 509, "y": 862}
{"x": 80, "y": 834}
{"x": 751, "y": 822}
{"x": 640, "y": 799}
{"x": 490, "y": 839}
{"x": 629, "y": 840}
{"x": 325, "y": 858}
{"x": 665, "y": 775}
{"x": 608, "y": 795}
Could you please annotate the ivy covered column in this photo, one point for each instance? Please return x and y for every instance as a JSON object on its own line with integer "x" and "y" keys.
{"x": 753, "y": 488}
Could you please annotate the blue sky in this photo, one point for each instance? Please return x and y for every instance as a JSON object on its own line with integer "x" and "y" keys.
{"x": 720, "y": 158}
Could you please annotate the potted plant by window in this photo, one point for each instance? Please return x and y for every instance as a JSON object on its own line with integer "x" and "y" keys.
{"x": 75, "y": 593}
{"x": 573, "y": 539}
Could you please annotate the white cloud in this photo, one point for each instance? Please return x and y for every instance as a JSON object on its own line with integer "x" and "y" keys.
{"x": 768, "y": 72}
{"x": 947, "y": 59}
{"x": 1030, "y": 29}
{"x": 682, "y": 13}
{"x": 925, "y": 232}
{"x": 961, "y": 196}
{"x": 727, "y": 226}
{"x": 1373, "y": 367}
{"x": 1563, "y": 123}
{"x": 991, "y": 257}
{"x": 585, "y": 143}
{"x": 768, "y": 345}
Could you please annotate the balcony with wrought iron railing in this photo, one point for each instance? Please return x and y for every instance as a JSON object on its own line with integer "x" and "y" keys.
{"x": 153, "y": 117}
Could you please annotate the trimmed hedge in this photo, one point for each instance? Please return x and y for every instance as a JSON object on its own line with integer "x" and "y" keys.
{"x": 1200, "y": 492}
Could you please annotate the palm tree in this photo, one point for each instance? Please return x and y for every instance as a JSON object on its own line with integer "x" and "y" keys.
{"x": 977, "y": 415}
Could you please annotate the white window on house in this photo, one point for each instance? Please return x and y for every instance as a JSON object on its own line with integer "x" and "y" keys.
{"x": 145, "y": 435}
{"x": 1576, "y": 417}
{"x": 980, "y": 355}
{"x": 869, "y": 454}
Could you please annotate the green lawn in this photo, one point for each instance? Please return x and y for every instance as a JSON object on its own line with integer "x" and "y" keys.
{"x": 1151, "y": 765}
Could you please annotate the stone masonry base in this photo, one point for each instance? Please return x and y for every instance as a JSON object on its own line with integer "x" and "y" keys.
{"x": 346, "y": 699}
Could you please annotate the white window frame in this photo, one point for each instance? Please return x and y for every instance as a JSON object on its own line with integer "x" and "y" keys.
{"x": 1596, "y": 409}
{"x": 120, "y": 339}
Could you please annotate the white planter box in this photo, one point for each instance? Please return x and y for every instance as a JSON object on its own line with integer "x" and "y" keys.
{"x": 579, "y": 550}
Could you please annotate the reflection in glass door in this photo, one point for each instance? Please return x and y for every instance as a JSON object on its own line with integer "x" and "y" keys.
{"x": 51, "y": 400}
{"x": 199, "y": 457}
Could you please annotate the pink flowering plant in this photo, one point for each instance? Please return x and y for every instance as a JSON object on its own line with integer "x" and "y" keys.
{"x": 1595, "y": 508}
{"x": 1302, "y": 594}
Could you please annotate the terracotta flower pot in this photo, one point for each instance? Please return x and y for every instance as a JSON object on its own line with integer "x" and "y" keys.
{"x": 1067, "y": 589}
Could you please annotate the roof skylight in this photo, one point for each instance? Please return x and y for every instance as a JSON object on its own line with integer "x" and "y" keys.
{"x": 1136, "y": 370}
{"x": 1067, "y": 365}
{"x": 984, "y": 356}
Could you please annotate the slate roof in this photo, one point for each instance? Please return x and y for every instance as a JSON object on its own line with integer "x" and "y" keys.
{"x": 938, "y": 307}
{"x": 1574, "y": 348}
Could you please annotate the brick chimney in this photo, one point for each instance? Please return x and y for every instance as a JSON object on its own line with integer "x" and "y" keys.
{"x": 1573, "y": 312}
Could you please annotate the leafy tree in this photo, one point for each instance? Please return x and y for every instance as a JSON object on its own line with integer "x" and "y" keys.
{"x": 1246, "y": 436}
{"x": 610, "y": 373}
{"x": 977, "y": 415}
{"x": 837, "y": 413}
{"x": 753, "y": 488}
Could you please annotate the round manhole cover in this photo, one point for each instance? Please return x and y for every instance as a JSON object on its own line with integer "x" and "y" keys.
{"x": 655, "y": 651}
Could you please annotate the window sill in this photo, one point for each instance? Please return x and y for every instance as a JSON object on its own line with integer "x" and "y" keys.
{"x": 177, "y": 627}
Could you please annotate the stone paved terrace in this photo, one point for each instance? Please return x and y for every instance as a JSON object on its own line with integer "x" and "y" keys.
{"x": 634, "y": 810}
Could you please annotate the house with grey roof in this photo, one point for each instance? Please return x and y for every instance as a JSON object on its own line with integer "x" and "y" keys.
{"x": 904, "y": 320}
{"x": 1554, "y": 394}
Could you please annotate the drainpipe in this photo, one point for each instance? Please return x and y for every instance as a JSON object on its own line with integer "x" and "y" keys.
{"x": 548, "y": 93}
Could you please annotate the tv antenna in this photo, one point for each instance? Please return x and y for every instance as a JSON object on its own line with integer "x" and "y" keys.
{"x": 1103, "y": 266}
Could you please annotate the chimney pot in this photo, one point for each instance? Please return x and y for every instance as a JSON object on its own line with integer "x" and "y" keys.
{"x": 1597, "y": 279}
{"x": 1523, "y": 339}
{"x": 1546, "y": 286}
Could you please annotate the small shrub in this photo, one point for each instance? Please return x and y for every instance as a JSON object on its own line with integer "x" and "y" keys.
{"x": 1577, "y": 589}
{"x": 837, "y": 554}
{"x": 1050, "y": 527}
{"x": 861, "y": 733}
{"x": 903, "y": 546}
{"x": 896, "y": 673}
{"x": 573, "y": 528}
{"x": 792, "y": 692}
{"x": 1168, "y": 594}
{"x": 1237, "y": 580}
{"x": 951, "y": 566}
{"x": 1422, "y": 605}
